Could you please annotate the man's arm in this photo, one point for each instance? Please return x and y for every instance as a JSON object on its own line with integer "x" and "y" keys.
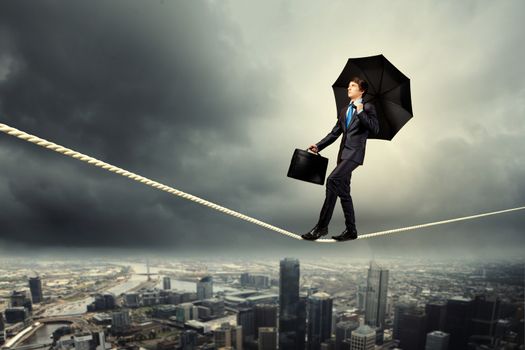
{"x": 369, "y": 119}
{"x": 330, "y": 138}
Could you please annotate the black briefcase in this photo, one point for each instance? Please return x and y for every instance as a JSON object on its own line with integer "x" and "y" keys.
{"x": 308, "y": 167}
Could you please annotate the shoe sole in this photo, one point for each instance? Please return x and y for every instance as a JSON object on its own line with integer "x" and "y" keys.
{"x": 346, "y": 239}
{"x": 313, "y": 239}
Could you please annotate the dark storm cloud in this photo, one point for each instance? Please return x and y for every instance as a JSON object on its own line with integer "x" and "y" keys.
{"x": 212, "y": 98}
{"x": 147, "y": 86}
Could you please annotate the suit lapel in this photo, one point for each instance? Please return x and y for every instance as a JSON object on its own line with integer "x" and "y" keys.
{"x": 354, "y": 117}
{"x": 342, "y": 118}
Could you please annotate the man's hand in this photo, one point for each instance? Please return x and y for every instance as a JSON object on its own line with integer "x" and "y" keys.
{"x": 313, "y": 148}
{"x": 359, "y": 107}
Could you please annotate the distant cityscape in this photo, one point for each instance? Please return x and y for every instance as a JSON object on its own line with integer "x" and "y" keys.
{"x": 287, "y": 303}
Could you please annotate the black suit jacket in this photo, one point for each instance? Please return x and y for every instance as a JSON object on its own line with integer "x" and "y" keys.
{"x": 353, "y": 143}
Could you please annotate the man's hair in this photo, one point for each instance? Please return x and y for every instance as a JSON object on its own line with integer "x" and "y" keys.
{"x": 363, "y": 85}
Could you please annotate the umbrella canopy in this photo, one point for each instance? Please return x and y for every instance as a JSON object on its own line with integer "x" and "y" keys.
{"x": 388, "y": 90}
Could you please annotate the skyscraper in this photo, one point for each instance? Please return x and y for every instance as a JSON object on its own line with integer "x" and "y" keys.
{"x": 361, "y": 298}
{"x": 228, "y": 336}
{"x": 35, "y": 286}
{"x": 2, "y": 335}
{"x": 246, "y": 319}
{"x": 120, "y": 321}
{"x": 20, "y": 299}
{"x": 222, "y": 336}
{"x": 166, "y": 283}
{"x": 205, "y": 288}
{"x": 292, "y": 308}
{"x": 485, "y": 316}
{"x": 401, "y": 307}
{"x": 319, "y": 320}
{"x": 267, "y": 338}
{"x": 376, "y": 292}
{"x": 411, "y": 328}
{"x": 265, "y": 316}
{"x": 435, "y": 316}
{"x": 458, "y": 321}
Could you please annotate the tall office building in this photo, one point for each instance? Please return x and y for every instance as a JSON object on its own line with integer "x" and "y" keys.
{"x": 334, "y": 320}
{"x": 205, "y": 288}
{"x": 361, "y": 298}
{"x": 401, "y": 307}
{"x": 267, "y": 338}
{"x": 376, "y": 293}
{"x": 485, "y": 316}
{"x": 435, "y": 316}
{"x": 265, "y": 316}
{"x": 35, "y": 286}
{"x": 292, "y": 308}
{"x": 457, "y": 321}
{"x": 120, "y": 321}
{"x": 215, "y": 305}
{"x": 411, "y": 328}
{"x": 166, "y": 283}
{"x": 16, "y": 314}
{"x": 20, "y": 299}
{"x": 110, "y": 300}
{"x": 246, "y": 319}
{"x": 437, "y": 340}
{"x": 2, "y": 333}
{"x": 319, "y": 320}
{"x": 185, "y": 312}
{"x": 222, "y": 337}
{"x": 363, "y": 338}
{"x": 228, "y": 336}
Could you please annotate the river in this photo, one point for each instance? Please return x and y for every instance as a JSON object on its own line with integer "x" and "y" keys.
{"x": 79, "y": 306}
{"x": 42, "y": 335}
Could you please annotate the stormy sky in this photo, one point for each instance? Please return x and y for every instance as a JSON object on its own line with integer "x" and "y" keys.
{"x": 212, "y": 98}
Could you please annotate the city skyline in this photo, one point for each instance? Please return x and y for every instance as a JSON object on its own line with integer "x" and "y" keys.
{"x": 423, "y": 302}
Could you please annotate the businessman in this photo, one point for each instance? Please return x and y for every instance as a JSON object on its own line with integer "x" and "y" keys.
{"x": 355, "y": 121}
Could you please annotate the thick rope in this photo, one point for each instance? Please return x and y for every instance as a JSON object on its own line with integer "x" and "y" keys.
{"x": 74, "y": 154}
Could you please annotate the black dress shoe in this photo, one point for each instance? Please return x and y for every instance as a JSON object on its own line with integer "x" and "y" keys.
{"x": 315, "y": 233}
{"x": 347, "y": 235}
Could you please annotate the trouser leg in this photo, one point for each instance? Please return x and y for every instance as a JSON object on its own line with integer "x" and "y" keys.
{"x": 338, "y": 184}
{"x": 347, "y": 204}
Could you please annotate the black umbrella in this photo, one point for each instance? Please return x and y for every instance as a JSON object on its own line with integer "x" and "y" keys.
{"x": 388, "y": 90}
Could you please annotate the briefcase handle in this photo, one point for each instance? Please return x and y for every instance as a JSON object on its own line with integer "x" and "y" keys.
{"x": 317, "y": 154}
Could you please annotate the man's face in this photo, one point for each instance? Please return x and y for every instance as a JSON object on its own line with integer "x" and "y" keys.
{"x": 353, "y": 91}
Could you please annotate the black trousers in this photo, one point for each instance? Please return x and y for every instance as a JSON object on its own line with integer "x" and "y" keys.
{"x": 338, "y": 185}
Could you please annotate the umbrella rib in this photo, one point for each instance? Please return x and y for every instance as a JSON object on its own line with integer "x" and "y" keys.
{"x": 395, "y": 87}
{"x": 85, "y": 158}
{"x": 382, "y": 73}
{"x": 381, "y": 102}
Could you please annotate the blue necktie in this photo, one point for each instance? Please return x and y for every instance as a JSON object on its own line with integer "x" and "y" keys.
{"x": 349, "y": 114}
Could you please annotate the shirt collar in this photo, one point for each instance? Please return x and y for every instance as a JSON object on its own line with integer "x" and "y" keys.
{"x": 359, "y": 100}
